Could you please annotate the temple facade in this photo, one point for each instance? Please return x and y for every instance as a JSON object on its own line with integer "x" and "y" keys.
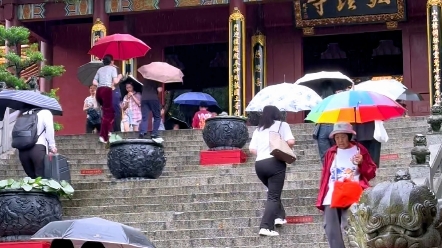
{"x": 267, "y": 42}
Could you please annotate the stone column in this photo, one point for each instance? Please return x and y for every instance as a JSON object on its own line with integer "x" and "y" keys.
{"x": 434, "y": 8}
{"x": 259, "y": 65}
{"x": 101, "y": 24}
{"x": 237, "y": 48}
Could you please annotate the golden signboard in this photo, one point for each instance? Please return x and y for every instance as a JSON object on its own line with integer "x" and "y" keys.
{"x": 258, "y": 63}
{"x": 98, "y": 32}
{"x": 237, "y": 33}
{"x": 434, "y": 9}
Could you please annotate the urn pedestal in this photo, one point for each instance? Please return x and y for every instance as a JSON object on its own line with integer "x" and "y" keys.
{"x": 136, "y": 158}
{"x": 23, "y": 213}
{"x": 225, "y": 133}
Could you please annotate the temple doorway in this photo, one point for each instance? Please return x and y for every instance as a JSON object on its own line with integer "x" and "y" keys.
{"x": 360, "y": 56}
{"x": 205, "y": 68}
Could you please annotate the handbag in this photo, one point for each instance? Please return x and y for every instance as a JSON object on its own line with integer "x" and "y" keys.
{"x": 94, "y": 116}
{"x": 279, "y": 147}
{"x": 345, "y": 193}
{"x": 380, "y": 134}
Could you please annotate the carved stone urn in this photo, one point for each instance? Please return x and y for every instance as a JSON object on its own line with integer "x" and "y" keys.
{"x": 136, "y": 158}
{"x": 420, "y": 154}
{"x": 23, "y": 213}
{"x": 225, "y": 133}
{"x": 435, "y": 119}
{"x": 397, "y": 214}
{"x": 253, "y": 117}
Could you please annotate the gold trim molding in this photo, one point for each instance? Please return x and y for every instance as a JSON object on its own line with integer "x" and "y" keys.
{"x": 434, "y": 3}
{"x": 399, "y": 16}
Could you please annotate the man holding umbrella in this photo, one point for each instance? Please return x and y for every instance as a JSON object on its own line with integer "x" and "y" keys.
{"x": 150, "y": 102}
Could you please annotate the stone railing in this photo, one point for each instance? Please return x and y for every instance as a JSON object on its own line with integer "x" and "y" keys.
{"x": 6, "y": 129}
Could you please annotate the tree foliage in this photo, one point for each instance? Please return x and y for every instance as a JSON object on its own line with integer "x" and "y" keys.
{"x": 15, "y": 64}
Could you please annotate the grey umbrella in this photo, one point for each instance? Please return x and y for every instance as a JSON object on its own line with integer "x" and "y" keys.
{"x": 110, "y": 234}
{"x": 21, "y": 99}
{"x": 409, "y": 95}
{"x": 86, "y": 72}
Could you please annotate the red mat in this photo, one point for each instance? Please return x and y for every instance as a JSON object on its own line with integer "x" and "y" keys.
{"x": 222, "y": 157}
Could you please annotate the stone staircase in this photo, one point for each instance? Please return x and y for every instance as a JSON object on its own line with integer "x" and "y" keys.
{"x": 215, "y": 206}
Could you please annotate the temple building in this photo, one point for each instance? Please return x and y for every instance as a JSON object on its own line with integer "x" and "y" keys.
{"x": 233, "y": 48}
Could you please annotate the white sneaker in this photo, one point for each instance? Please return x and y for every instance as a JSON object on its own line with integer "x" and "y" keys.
{"x": 101, "y": 139}
{"x": 267, "y": 232}
{"x": 280, "y": 222}
{"x": 158, "y": 140}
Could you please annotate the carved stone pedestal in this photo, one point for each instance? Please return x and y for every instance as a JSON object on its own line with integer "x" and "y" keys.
{"x": 225, "y": 133}
{"x": 22, "y": 213}
{"x": 397, "y": 214}
{"x": 136, "y": 158}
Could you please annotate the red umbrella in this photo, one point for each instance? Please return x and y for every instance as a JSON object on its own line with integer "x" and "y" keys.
{"x": 120, "y": 46}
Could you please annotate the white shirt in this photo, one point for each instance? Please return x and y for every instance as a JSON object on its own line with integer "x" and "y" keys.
{"x": 45, "y": 127}
{"x": 260, "y": 139}
{"x": 342, "y": 167}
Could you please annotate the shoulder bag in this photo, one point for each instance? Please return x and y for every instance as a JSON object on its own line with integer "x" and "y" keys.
{"x": 279, "y": 147}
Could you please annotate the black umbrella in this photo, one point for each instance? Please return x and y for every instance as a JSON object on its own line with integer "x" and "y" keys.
{"x": 21, "y": 99}
{"x": 172, "y": 121}
{"x": 86, "y": 72}
{"x": 138, "y": 86}
{"x": 409, "y": 95}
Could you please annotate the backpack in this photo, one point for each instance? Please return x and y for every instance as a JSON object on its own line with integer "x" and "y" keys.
{"x": 24, "y": 133}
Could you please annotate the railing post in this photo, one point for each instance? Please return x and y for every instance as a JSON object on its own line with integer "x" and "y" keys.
{"x": 5, "y": 134}
{"x": 420, "y": 169}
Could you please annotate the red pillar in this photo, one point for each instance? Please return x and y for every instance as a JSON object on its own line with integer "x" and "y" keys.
{"x": 237, "y": 58}
{"x": 100, "y": 12}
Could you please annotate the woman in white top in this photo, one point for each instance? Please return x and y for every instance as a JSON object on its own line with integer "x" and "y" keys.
{"x": 345, "y": 160}
{"x": 32, "y": 160}
{"x": 91, "y": 103}
{"x": 270, "y": 170}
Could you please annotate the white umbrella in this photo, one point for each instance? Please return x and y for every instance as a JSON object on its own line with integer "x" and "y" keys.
{"x": 286, "y": 97}
{"x": 314, "y": 81}
{"x": 387, "y": 87}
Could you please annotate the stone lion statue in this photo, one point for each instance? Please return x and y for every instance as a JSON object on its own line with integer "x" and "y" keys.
{"x": 397, "y": 214}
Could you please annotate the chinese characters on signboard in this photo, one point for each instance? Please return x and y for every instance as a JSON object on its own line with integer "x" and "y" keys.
{"x": 434, "y": 34}
{"x": 98, "y": 32}
{"x": 311, "y": 13}
{"x": 236, "y": 65}
{"x": 258, "y": 63}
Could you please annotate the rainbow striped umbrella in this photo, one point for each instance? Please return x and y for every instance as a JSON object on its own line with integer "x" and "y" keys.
{"x": 355, "y": 107}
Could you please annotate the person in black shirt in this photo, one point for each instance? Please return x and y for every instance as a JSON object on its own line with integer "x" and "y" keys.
{"x": 150, "y": 102}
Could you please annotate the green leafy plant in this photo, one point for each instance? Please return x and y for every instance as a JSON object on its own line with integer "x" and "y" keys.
{"x": 53, "y": 94}
{"x": 14, "y": 64}
{"x": 62, "y": 189}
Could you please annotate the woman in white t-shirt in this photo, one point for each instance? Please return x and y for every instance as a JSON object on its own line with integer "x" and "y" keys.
{"x": 345, "y": 160}
{"x": 32, "y": 159}
{"x": 270, "y": 170}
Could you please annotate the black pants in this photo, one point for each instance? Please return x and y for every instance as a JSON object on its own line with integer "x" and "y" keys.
{"x": 117, "y": 120}
{"x": 32, "y": 160}
{"x": 335, "y": 219}
{"x": 374, "y": 149}
{"x": 271, "y": 172}
{"x": 90, "y": 127}
{"x": 146, "y": 107}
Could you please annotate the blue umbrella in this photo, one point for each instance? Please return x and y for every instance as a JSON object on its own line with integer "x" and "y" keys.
{"x": 20, "y": 99}
{"x": 195, "y": 98}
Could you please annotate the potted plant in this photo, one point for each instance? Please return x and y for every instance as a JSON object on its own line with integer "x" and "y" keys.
{"x": 225, "y": 132}
{"x": 28, "y": 204}
{"x": 135, "y": 158}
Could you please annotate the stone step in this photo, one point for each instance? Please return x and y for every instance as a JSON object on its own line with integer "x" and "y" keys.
{"x": 282, "y": 241}
{"x": 183, "y": 190}
{"x": 307, "y": 148}
{"x": 196, "y": 135}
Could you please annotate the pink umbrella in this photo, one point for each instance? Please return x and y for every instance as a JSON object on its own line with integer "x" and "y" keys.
{"x": 161, "y": 72}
